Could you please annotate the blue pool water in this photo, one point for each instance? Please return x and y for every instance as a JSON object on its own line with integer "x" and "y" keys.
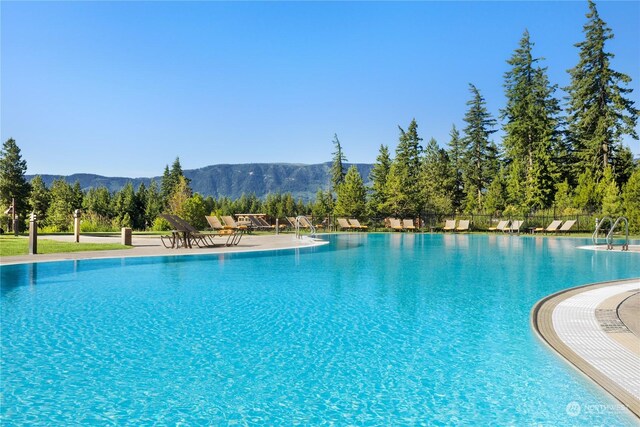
{"x": 369, "y": 330}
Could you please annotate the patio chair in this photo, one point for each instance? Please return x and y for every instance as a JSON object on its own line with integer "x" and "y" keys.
{"x": 356, "y": 225}
{"x": 344, "y": 224}
{"x": 449, "y": 225}
{"x": 395, "y": 224}
{"x": 407, "y": 224}
{"x": 184, "y": 234}
{"x": 566, "y": 226}
{"x": 501, "y": 226}
{"x": 515, "y": 226}
{"x": 463, "y": 225}
{"x": 553, "y": 227}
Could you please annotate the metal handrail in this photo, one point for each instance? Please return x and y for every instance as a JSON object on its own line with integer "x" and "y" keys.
{"x": 594, "y": 237}
{"x": 625, "y": 245}
{"x": 312, "y": 228}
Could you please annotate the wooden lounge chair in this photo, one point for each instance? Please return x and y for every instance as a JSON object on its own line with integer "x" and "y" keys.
{"x": 395, "y": 224}
{"x": 344, "y": 224}
{"x": 515, "y": 226}
{"x": 553, "y": 227}
{"x": 502, "y": 225}
{"x": 449, "y": 225}
{"x": 355, "y": 224}
{"x": 567, "y": 226}
{"x": 463, "y": 225}
{"x": 407, "y": 224}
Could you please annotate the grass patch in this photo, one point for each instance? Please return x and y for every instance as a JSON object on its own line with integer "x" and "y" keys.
{"x": 11, "y": 245}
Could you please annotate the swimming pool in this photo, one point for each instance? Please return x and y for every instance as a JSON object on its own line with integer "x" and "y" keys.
{"x": 380, "y": 329}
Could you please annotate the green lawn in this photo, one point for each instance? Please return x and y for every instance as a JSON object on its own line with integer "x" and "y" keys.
{"x": 11, "y": 245}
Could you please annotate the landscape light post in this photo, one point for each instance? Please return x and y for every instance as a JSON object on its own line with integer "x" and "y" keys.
{"x": 33, "y": 234}
{"x": 76, "y": 225}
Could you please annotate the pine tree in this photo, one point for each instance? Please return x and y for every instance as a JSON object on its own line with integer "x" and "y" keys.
{"x": 407, "y": 171}
{"x": 599, "y": 113}
{"x": 494, "y": 201}
{"x": 456, "y": 158}
{"x": 531, "y": 128}
{"x": 378, "y": 177}
{"x": 631, "y": 201}
{"x": 351, "y": 201}
{"x": 39, "y": 199}
{"x": 13, "y": 184}
{"x": 154, "y": 205}
{"x": 479, "y": 151}
{"x": 337, "y": 167}
{"x": 60, "y": 212}
{"x": 586, "y": 196}
{"x": 437, "y": 180}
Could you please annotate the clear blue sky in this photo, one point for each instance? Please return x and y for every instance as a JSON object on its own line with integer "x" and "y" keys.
{"x": 122, "y": 88}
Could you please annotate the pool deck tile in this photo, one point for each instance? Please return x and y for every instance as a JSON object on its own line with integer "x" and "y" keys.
{"x": 585, "y": 326}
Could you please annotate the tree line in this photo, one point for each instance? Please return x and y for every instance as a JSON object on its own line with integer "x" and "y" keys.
{"x": 572, "y": 159}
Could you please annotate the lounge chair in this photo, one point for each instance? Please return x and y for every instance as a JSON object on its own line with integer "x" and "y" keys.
{"x": 356, "y": 225}
{"x": 407, "y": 224}
{"x": 449, "y": 225}
{"x": 395, "y": 224}
{"x": 344, "y": 224}
{"x": 463, "y": 225}
{"x": 502, "y": 225}
{"x": 229, "y": 222}
{"x": 515, "y": 226}
{"x": 233, "y": 237}
{"x": 553, "y": 227}
{"x": 567, "y": 226}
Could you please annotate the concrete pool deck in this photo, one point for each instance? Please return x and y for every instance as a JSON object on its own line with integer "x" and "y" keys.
{"x": 596, "y": 328}
{"x": 147, "y": 246}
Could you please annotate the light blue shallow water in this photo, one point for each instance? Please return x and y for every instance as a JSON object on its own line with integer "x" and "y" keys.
{"x": 369, "y": 330}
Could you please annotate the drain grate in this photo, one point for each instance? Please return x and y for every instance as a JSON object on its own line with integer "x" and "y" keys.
{"x": 610, "y": 322}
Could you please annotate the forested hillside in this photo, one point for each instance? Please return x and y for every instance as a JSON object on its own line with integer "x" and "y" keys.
{"x": 302, "y": 181}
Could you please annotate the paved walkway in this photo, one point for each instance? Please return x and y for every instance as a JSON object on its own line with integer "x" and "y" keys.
{"x": 585, "y": 326}
{"x": 144, "y": 246}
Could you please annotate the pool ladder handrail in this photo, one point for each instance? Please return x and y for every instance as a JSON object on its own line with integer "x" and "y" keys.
{"x": 312, "y": 228}
{"x": 625, "y": 245}
{"x": 599, "y": 224}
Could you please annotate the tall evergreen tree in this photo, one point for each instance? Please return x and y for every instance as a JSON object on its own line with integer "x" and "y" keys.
{"x": 405, "y": 186}
{"x": 154, "y": 204}
{"x": 599, "y": 111}
{"x": 39, "y": 199}
{"x": 351, "y": 199}
{"x": 531, "y": 127}
{"x": 480, "y": 153}
{"x": 378, "y": 177}
{"x": 437, "y": 180}
{"x": 63, "y": 203}
{"x": 13, "y": 184}
{"x": 456, "y": 158}
{"x": 337, "y": 167}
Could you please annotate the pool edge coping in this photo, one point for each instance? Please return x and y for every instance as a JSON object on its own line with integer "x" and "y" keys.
{"x": 545, "y": 332}
{"x": 72, "y": 257}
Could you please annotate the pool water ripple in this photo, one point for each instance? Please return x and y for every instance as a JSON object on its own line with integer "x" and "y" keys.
{"x": 370, "y": 330}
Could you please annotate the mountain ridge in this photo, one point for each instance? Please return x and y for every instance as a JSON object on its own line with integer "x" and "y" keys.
{"x": 231, "y": 180}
